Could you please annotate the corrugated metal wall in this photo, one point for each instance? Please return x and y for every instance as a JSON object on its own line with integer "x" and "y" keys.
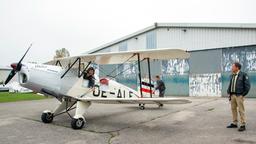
{"x": 204, "y": 38}
{"x": 175, "y": 74}
{"x": 122, "y": 46}
{"x": 205, "y": 61}
{"x": 189, "y": 38}
{"x": 151, "y": 41}
{"x": 205, "y": 73}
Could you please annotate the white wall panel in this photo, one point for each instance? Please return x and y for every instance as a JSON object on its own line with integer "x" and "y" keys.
{"x": 136, "y": 43}
{"x": 192, "y": 38}
{"x": 204, "y": 38}
{"x": 205, "y": 84}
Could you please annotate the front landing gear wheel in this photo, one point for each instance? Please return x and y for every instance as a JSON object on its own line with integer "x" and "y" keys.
{"x": 142, "y": 106}
{"x": 47, "y": 117}
{"x": 77, "y": 123}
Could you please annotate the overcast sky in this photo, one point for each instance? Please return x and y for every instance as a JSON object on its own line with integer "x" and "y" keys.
{"x": 81, "y": 25}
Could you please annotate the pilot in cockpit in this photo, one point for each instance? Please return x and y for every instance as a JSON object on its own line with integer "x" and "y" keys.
{"x": 89, "y": 75}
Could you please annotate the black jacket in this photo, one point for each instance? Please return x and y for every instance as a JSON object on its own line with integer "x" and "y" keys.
{"x": 242, "y": 84}
{"x": 91, "y": 80}
{"x": 160, "y": 85}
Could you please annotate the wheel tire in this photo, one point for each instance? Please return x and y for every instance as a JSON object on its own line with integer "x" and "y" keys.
{"x": 47, "y": 117}
{"x": 77, "y": 123}
{"x": 161, "y": 105}
{"x": 142, "y": 107}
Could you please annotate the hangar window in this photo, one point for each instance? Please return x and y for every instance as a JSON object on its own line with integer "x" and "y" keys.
{"x": 151, "y": 40}
{"x": 122, "y": 46}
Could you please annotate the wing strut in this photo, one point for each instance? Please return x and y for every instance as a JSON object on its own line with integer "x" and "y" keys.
{"x": 58, "y": 62}
{"x": 109, "y": 75}
{"x": 139, "y": 69}
{"x": 84, "y": 69}
{"x": 149, "y": 76}
{"x": 79, "y": 68}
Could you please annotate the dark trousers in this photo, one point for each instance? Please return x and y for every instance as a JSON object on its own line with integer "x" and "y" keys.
{"x": 161, "y": 93}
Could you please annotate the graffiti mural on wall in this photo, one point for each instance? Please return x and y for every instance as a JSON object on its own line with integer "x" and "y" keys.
{"x": 115, "y": 70}
{"x": 126, "y": 74}
{"x": 250, "y": 61}
{"x": 205, "y": 84}
{"x": 126, "y": 70}
{"x": 245, "y": 55}
{"x": 175, "y": 66}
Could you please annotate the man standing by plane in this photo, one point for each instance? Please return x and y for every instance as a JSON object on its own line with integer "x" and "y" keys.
{"x": 239, "y": 87}
{"x": 160, "y": 86}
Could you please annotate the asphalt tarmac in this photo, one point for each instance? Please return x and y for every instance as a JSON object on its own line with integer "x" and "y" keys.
{"x": 203, "y": 121}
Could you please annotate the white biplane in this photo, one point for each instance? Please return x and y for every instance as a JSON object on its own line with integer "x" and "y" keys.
{"x": 68, "y": 85}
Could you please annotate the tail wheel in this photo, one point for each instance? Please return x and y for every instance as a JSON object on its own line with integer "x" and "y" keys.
{"x": 77, "y": 123}
{"x": 161, "y": 105}
{"x": 142, "y": 106}
{"x": 47, "y": 117}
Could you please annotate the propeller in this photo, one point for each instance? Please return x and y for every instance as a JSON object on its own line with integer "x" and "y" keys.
{"x": 16, "y": 67}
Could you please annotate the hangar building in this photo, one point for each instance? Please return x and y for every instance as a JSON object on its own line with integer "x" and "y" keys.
{"x": 4, "y": 72}
{"x": 213, "y": 47}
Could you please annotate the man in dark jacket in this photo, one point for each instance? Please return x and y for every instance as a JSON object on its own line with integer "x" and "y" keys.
{"x": 238, "y": 88}
{"x": 160, "y": 86}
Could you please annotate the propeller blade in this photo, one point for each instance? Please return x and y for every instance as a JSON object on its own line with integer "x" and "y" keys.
{"x": 10, "y": 76}
{"x": 16, "y": 67}
{"x": 25, "y": 54}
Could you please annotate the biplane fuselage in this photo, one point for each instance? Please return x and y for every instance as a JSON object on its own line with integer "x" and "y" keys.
{"x": 46, "y": 79}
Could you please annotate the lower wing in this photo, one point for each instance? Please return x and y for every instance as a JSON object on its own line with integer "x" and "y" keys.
{"x": 137, "y": 100}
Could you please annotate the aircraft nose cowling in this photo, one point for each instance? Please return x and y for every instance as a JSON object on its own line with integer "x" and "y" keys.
{"x": 23, "y": 78}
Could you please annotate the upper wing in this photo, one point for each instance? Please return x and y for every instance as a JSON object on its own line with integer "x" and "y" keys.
{"x": 137, "y": 100}
{"x": 120, "y": 57}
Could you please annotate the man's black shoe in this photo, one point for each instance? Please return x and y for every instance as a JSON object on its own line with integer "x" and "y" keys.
{"x": 232, "y": 126}
{"x": 242, "y": 128}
